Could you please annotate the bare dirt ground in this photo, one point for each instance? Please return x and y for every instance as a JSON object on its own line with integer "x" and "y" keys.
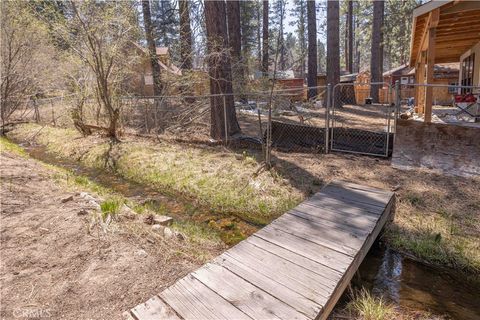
{"x": 56, "y": 265}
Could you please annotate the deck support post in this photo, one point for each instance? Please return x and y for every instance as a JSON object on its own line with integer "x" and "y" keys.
{"x": 430, "y": 69}
{"x": 420, "y": 80}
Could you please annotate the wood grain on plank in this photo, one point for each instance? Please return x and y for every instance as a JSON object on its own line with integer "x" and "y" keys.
{"x": 347, "y": 277}
{"x": 366, "y": 197}
{"x": 296, "y": 277}
{"x": 191, "y": 299}
{"x": 323, "y": 255}
{"x": 154, "y": 309}
{"x": 295, "y": 258}
{"x": 276, "y": 289}
{"x": 253, "y": 301}
{"x": 335, "y": 220}
{"x": 337, "y": 200}
{"x": 347, "y": 242}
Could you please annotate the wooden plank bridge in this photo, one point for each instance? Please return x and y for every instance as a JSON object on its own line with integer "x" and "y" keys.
{"x": 297, "y": 267}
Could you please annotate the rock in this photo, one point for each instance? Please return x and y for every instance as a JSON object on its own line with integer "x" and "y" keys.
{"x": 82, "y": 212}
{"x": 91, "y": 201}
{"x": 94, "y": 205}
{"x": 395, "y": 188}
{"x": 70, "y": 198}
{"x": 180, "y": 236}
{"x": 168, "y": 233}
{"x": 158, "y": 228}
{"x": 162, "y": 220}
{"x": 148, "y": 219}
{"x": 87, "y": 197}
{"x": 141, "y": 253}
{"x": 127, "y": 212}
{"x": 158, "y": 219}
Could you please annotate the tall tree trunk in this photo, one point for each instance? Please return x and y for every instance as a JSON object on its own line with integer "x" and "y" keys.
{"x": 376, "y": 62}
{"x": 357, "y": 46}
{"x": 186, "y": 49}
{"x": 234, "y": 33}
{"x": 312, "y": 49}
{"x": 147, "y": 21}
{"x": 235, "y": 43}
{"x": 259, "y": 36}
{"x": 265, "y": 38}
{"x": 219, "y": 69}
{"x": 333, "y": 42}
{"x": 350, "y": 36}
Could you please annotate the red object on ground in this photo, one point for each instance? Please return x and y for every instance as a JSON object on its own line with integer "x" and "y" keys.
{"x": 459, "y": 98}
{"x": 469, "y": 98}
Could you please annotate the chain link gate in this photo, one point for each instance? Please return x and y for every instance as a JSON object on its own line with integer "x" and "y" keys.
{"x": 359, "y": 123}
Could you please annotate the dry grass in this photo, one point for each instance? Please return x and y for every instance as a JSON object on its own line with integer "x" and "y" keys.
{"x": 437, "y": 218}
{"x": 365, "y": 306}
{"x": 209, "y": 176}
{"x": 368, "y": 307}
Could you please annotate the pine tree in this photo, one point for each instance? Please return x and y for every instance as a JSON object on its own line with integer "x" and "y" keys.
{"x": 265, "y": 37}
{"x": 219, "y": 68}
{"x": 376, "y": 64}
{"x": 312, "y": 49}
{"x": 333, "y": 42}
{"x": 186, "y": 49}
{"x": 350, "y": 37}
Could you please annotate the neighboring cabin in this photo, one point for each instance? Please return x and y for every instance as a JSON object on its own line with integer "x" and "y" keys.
{"x": 443, "y": 74}
{"x": 142, "y": 84}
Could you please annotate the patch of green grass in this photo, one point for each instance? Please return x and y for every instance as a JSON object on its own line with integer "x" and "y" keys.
{"x": 6, "y": 145}
{"x": 197, "y": 232}
{"x": 368, "y": 307}
{"x": 415, "y": 199}
{"x": 210, "y": 177}
{"x": 442, "y": 246}
{"x": 111, "y": 207}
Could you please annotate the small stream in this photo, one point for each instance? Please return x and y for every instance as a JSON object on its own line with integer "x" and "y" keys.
{"x": 407, "y": 283}
{"x": 417, "y": 286}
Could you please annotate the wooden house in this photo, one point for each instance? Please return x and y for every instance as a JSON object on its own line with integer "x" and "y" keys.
{"x": 444, "y": 32}
{"x": 142, "y": 84}
{"x": 445, "y": 74}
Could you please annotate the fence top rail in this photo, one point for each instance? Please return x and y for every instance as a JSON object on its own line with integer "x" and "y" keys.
{"x": 438, "y": 85}
{"x": 255, "y": 93}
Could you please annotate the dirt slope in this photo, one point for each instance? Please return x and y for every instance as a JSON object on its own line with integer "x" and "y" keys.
{"x": 55, "y": 264}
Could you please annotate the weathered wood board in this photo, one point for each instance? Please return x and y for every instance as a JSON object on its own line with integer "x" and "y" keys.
{"x": 297, "y": 267}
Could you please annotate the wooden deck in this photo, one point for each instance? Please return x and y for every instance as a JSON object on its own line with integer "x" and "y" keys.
{"x": 297, "y": 267}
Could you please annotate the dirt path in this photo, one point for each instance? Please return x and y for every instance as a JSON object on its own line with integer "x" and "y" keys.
{"x": 54, "y": 265}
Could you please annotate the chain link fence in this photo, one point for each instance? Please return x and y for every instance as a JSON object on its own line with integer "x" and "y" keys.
{"x": 346, "y": 118}
{"x": 361, "y": 121}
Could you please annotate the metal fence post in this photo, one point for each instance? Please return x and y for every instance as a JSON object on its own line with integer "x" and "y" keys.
{"x": 327, "y": 117}
{"x": 397, "y": 109}
{"x": 225, "y": 118}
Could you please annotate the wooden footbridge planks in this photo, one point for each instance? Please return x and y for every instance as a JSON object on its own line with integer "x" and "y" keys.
{"x": 297, "y": 267}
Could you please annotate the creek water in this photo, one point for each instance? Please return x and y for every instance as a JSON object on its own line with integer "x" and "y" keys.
{"x": 405, "y": 282}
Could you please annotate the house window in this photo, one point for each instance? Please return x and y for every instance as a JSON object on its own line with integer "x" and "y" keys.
{"x": 467, "y": 73}
{"x": 404, "y": 80}
{"x": 453, "y": 87}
